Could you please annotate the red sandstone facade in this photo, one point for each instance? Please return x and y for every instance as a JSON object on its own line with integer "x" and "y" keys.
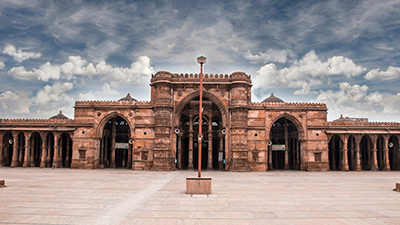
{"x": 239, "y": 135}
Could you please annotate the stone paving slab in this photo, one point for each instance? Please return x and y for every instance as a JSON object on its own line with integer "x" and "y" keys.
{"x": 65, "y": 196}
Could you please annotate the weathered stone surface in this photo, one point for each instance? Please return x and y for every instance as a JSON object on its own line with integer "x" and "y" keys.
{"x": 163, "y": 133}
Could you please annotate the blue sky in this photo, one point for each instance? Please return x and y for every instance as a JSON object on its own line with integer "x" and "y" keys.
{"x": 342, "y": 53}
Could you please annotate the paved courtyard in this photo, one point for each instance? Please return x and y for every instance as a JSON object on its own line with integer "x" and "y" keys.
{"x": 65, "y": 196}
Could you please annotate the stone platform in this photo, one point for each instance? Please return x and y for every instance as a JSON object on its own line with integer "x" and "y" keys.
{"x": 112, "y": 196}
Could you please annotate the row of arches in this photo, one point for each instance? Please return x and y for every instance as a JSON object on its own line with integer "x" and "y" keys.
{"x": 35, "y": 149}
{"x": 364, "y": 152}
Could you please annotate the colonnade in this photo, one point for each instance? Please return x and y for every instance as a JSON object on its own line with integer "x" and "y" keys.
{"x": 191, "y": 144}
{"x": 32, "y": 149}
{"x": 360, "y": 152}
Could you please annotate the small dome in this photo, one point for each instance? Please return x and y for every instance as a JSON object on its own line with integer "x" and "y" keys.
{"x": 273, "y": 98}
{"x": 59, "y": 116}
{"x": 128, "y": 97}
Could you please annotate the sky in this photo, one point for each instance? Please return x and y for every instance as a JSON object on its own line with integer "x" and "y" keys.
{"x": 339, "y": 52}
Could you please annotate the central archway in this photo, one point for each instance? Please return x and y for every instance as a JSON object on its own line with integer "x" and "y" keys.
{"x": 187, "y": 136}
{"x": 115, "y": 145}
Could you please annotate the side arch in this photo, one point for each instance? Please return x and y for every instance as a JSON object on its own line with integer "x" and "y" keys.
{"x": 105, "y": 119}
{"x": 206, "y": 94}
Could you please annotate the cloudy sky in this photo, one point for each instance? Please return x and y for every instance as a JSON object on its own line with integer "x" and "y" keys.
{"x": 342, "y": 53}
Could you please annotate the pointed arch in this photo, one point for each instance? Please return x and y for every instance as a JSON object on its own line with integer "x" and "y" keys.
{"x": 105, "y": 119}
{"x": 207, "y": 94}
{"x": 294, "y": 120}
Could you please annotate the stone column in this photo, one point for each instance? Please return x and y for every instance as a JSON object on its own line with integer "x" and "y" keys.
{"x": 32, "y": 151}
{"x": 357, "y": 164}
{"x": 374, "y": 154}
{"x": 113, "y": 135}
{"x": 67, "y": 152}
{"x": 270, "y": 164}
{"x": 386, "y": 153}
{"x": 179, "y": 150}
{"x": 210, "y": 136}
{"x": 14, "y": 161}
{"x": 101, "y": 153}
{"x": 190, "y": 166}
{"x": 345, "y": 165}
{"x": 48, "y": 155}
{"x": 286, "y": 146}
{"x": 333, "y": 153}
{"x": 298, "y": 154}
{"x": 44, "y": 148}
{"x": 56, "y": 157}
{"x": 27, "y": 151}
{"x": 221, "y": 151}
{"x": 106, "y": 152}
{"x": 130, "y": 150}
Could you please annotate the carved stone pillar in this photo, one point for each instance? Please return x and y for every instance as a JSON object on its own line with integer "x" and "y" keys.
{"x": 179, "y": 150}
{"x": 32, "y": 148}
{"x": 27, "y": 151}
{"x": 106, "y": 152}
{"x": 298, "y": 154}
{"x": 374, "y": 163}
{"x": 48, "y": 155}
{"x": 190, "y": 156}
{"x": 286, "y": 146}
{"x": 210, "y": 136}
{"x": 14, "y": 162}
{"x": 56, "y": 157}
{"x": 386, "y": 153}
{"x": 113, "y": 135}
{"x": 221, "y": 152}
{"x": 44, "y": 150}
{"x": 270, "y": 164}
{"x": 357, "y": 164}
{"x": 101, "y": 154}
{"x": 67, "y": 153}
{"x": 21, "y": 150}
{"x": 130, "y": 150}
{"x": 345, "y": 165}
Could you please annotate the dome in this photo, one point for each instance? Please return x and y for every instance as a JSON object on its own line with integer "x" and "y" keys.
{"x": 59, "y": 116}
{"x": 128, "y": 97}
{"x": 273, "y": 98}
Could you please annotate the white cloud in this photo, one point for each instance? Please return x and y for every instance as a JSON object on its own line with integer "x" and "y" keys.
{"x": 19, "y": 55}
{"x": 355, "y": 100}
{"x": 11, "y": 103}
{"x": 86, "y": 96}
{"x": 306, "y": 73}
{"x": 272, "y": 55}
{"x": 391, "y": 73}
{"x": 2, "y": 65}
{"x": 76, "y": 66}
{"x": 53, "y": 99}
{"x": 107, "y": 90}
{"x": 54, "y": 93}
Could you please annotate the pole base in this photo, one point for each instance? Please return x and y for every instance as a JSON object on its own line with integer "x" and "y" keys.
{"x": 198, "y": 186}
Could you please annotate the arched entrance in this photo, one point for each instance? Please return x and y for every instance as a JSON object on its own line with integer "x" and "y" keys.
{"x": 285, "y": 148}
{"x": 8, "y": 143}
{"x": 213, "y": 152}
{"x": 115, "y": 147}
{"x": 335, "y": 147}
{"x": 36, "y": 147}
{"x": 66, "y": 151}
{"x": 366, "y": 152}
{"x": 351, "y": 144}
{"x": 394, "y": 153}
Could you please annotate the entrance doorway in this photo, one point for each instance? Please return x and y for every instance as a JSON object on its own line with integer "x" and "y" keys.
{"x": 115, "y": 147}
{"x": 212, "y": 149}
{"x": 285, "y": 149}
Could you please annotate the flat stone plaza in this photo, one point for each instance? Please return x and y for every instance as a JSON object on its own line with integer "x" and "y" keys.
{"x": 110, "y": 196}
